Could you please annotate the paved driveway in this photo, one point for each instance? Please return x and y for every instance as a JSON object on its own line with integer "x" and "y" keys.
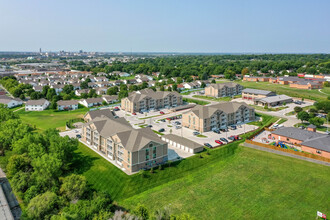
{"x": 71, "y": 133}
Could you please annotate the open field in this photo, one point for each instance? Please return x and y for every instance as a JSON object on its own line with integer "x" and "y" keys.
{"x": 50, "y": 118}
{"x": 285, "y": 89}
{"x": 198, "y": 102}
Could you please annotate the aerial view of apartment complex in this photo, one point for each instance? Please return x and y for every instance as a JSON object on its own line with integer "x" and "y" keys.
{"x": 165, "y": 110}
{"x": 148, "y": 99}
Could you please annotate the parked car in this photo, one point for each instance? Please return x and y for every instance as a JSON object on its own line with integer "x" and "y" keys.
{"x": 217, "y": 131}
{"x": 275, "y": 125}
{"x": 162, "y": 112}
{"x": 196, "y": 133}
{"x": 224, "y": 130}
{"x": 177, "y": 122}
{"x": 162, "y": 120}
{"x": 149, "y": 126}
{"x": 177, "y": 127}
{"x": 161, "y": 130}
{"x": 78, "y": 136}
{"x": 233, "y": 127}
{"x": 224, "y": 140}
{"x": 208, "y": 145}
{"x": 116, "y": 109}
{"x": 133, "y": 113}
{"x": 302, "y": 127}
{"x": 116, "y": 116}
{"x": 140, "y": 112}
{"x": 218, "y": 142}
{"x": 234, "y": 137}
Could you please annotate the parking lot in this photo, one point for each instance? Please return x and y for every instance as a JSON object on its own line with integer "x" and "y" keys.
{"x": 71, "y": 133}
{"x": 158, "y": 121}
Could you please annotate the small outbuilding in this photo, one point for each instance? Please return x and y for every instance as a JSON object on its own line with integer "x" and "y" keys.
{"x": 182, "y": 143}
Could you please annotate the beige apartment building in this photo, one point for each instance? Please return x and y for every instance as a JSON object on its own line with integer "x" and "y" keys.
{"x": 223, "y": 89}
{"x": 255, "y": 94}
{"x": 147, "y": 99}
{"x": 130, "y": 149}
{"x": 218, "y": 116}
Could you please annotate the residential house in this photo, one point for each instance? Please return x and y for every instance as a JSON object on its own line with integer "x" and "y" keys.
{"x": 67, "y": 105}
{"x": 272, "y": 101}
{"x": 110, "y": 98}
{"x": 36, "y": 105}
{"x": 90, "y": 102}
{"x": 10, "y": 102}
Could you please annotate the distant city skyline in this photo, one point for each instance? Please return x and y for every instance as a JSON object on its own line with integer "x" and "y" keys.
{"x": 207, "y": 26}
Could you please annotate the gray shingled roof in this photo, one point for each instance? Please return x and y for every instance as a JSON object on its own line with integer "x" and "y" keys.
{"x": 98, "y": 113}
{"x": 203, "y": 111}
{"x": 276, "y": 98}
{"x": 67, "y": 102}
{"x": 257, "y": 91}
{"x": 139, "y": 95}
{"x": 183, "y": 141}
{"x": 131, "y": 139}
{"x": 36, "y": 102}
{"x": 308, "y": 138}
{"x": 221, "y": 85}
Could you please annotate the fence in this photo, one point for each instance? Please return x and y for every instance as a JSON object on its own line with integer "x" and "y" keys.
{"x": 302, "y": 154}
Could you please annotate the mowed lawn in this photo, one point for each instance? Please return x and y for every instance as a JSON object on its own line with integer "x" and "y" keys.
{"x": 285, "y": 89}
{"x": 50, "y": 118}
{"x": 233, "y": 182}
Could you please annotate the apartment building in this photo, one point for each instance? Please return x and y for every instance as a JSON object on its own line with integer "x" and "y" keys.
{"x": 217, "y": 116}
{"x": 255, "y": 94}
{"x": 223, "y": 89}
{"x": 147, "y": 99}
{"x": 36, "y": 105}
{"x": 128, "y": 148}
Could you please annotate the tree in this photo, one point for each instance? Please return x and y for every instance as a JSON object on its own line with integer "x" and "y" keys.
{"x": 122, "y": 94}
{"x": 162, "y": 88}
{"x": 203, "y": 85}
{"x": 67, "y": 89}
{"x": 179, "y": 80}
{"x": 318, "y": 122}
{"x": 144, "y": 85}
{"x": 42, "y": 205}
{"x": 50, "y": 94}
{"x": 18, "y": 163}
{"x": 142, "y": 212}
{"x": 175, "y": 87}
{"x": 53, "y": 104}
{"x": 303, "y": 116}
{"x": 73, "y": 186}
{"x": 22, "y": 96}
{"x": 213, "y": 81}
{"x": 92, "y": 93}
{"x": 169, "y": 88}
{"x": 297, "y": 109}
{"x": 112, "y": 90}
{"x": 245, "y": 71}
{"x": 84, "y": 85}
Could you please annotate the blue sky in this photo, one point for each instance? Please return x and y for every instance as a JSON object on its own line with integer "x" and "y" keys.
{"x": 235, "y": 26}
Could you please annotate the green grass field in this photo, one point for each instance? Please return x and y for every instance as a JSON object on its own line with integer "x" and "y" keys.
{"x": 285, "y": 89}
{"x": 50, "y": 118}
{"x": 233, "y": 182}
{"x": 198, "y": 102}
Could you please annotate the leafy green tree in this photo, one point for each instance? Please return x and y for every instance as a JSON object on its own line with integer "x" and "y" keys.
{"x": 303, "y": 116}
{"x": 92, "y": 93}
{"x": 73, "y": 186}
{"x": 213, "y": 81}
{"x": 203, "y": 85}
{"x": 67, "y": 89}
{"x": 112, "y": 90}
{"x": 42, "y": 205}
{"x": 318, "y": 122}
{"x": 122, "y": 94}
{"x": 18, "y": 163}
{"x": 141, "y": 211}
{"x": 84, "y": 85}
{"x": 20, "y": 181}
{"x": 53, "y": 104}
{"x": 169, "y": 88}
{"x": 50, "y": 94}
{"x": 297, "y": 109}
{"x": 162, "y": 88}
{"x": 175, "y": 87}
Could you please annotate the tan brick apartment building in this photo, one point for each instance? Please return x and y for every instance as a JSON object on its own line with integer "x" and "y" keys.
{"x": 307, "y": 85}
{"x": 254, "y": 94}
{"x": 306, "y": 140}
{"x": 131, "y": 149}
{"x": 147, "y": 99}
{"x": 222, "y": 115}
{"x": 223, "y": 89}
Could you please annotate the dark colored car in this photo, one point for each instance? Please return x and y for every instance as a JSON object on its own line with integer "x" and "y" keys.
{"x": 233, "y": 127}
{"x": 161, "y": 130}
{"x": 149, "y": 126}
{"x": 208, "y": 145}
{"x": 224, "y": 130}
{"x": 78, "y": 136}
{"x": 116, "y": 109}
{"x": 217, "y": 131}
{"x": 224, "y": 140}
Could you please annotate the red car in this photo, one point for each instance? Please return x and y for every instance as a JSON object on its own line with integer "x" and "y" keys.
{"x": 162, "y": 113}
{"x": 133, "y": 113}
{"x": 218, "y": 142}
